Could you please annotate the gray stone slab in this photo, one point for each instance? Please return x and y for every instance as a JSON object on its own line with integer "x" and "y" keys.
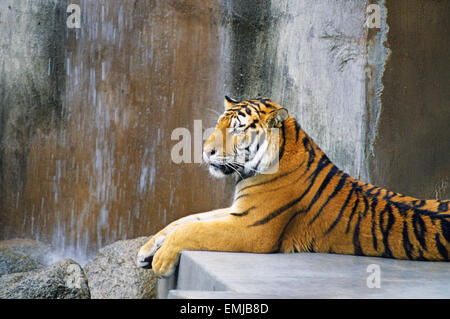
{"x": 306, "y": 276}
{"x": 197, "y": 294}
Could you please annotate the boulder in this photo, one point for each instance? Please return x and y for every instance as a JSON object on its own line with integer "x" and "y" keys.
{"x": 21, "y": 255}
{"x": 113, "y": 273}
{"x": 64, "y": 279}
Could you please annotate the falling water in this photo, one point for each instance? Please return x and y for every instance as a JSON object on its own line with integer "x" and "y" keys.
{"x": 102, "y": 172}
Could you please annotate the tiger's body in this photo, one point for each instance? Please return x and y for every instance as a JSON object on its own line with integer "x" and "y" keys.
{"x": 307, "y": 205}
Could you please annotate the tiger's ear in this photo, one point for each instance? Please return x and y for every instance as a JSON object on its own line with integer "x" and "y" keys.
{"x": 277, "y": 117}
{"x": 229, "y": 102}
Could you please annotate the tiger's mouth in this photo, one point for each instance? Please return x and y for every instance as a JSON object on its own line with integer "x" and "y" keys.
{"x": 224, "y": 169}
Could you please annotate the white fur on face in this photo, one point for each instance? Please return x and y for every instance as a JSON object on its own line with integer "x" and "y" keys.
{"x": 259, "y": 156}
{"x": 217, "y": 173}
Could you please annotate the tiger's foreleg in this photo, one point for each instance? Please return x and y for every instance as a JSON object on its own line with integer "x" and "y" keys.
{"x": 147, "y": 251}
{"x": 224, "y": 234}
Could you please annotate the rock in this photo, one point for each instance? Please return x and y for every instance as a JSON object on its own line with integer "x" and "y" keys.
{"x": 21, "y": 255}
{"x": 64, "y": 279}
{"x": 113, "y": 273}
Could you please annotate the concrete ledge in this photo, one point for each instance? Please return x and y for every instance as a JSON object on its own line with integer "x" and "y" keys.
{"x": 240, "y": 275}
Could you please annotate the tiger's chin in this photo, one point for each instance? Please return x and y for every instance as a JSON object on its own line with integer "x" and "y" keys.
{"x": 220, "y": 171}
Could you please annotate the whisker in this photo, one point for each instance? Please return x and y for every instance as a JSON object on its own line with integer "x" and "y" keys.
{"x": 243, "y": 166}
{"x": 227, "y": 160}
{"x": 234, "y": 169}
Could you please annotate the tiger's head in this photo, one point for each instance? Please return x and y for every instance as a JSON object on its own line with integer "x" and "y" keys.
{"x": 246, "y": 139}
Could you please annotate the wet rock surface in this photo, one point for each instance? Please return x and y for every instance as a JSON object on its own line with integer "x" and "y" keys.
{"x": 21, "y": 255}
{"x": 113, "y": 273}
{"x": 25, "y": 273}
{"x": 64, "y": 279}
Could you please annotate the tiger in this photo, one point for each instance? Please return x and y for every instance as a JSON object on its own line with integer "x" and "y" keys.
{"x": 306, "y": 205}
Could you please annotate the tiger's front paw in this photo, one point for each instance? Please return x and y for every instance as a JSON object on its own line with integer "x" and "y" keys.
{"x": 146, "y": 253}
{"x": 165, "y": 260}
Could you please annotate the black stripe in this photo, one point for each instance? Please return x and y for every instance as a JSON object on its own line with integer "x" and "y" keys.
{"x": 251, "y": 125}
{"x": 369, "y": 191}
{"x": 389, "y": 195}
{"x": 273, "y": 179}
{"x": 356, "y": 242}
{"x": 407, "y": 246}
{"x": 280, "y": 238}
{"x": 341, "y": 212}
{"x": 404, "y": 208}
{"x": 441, "y": 248}
{"x": 248, "y": 126}
{"x": 334, "y": 170}
{"x": 378, "y": 192}
{"x": 255, "y": 168}
{"x": 351, "y": 215}
{"x": 443, "y": 207}
{"x": 277, "y": 212}
{"x": 385, "y": 231}
{"x": 418, "y": 203}
{"x": 366, "y": 205}
{"x": 421, "y": 257}
{"x": 256, "y": 104}
{"x": 323, "y": 162}
{"x": 240, "y": 196}
{"x": 239, "y": 120}
{"x": 281, "y": 153}
{"x": 309, "y": 148}
{"x": 320, "y": 166}
{"x": 254, "y": 108}
{"x": 243, "y": 213}
{"x": 258, "y": 143}
{"x": 297, "y": 130}
{"x": 445, "y": 228}
{"x": 420, "y": 229}
{"x": 312, "y": 246}
{"x": 374, "y": 237}
{"x": 264, "y": 101}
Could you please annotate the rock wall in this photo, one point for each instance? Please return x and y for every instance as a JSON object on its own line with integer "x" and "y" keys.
{"x": 411, "y": 148}
{"x": 310, "y": 56}
{"x": 32, "y": 86}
